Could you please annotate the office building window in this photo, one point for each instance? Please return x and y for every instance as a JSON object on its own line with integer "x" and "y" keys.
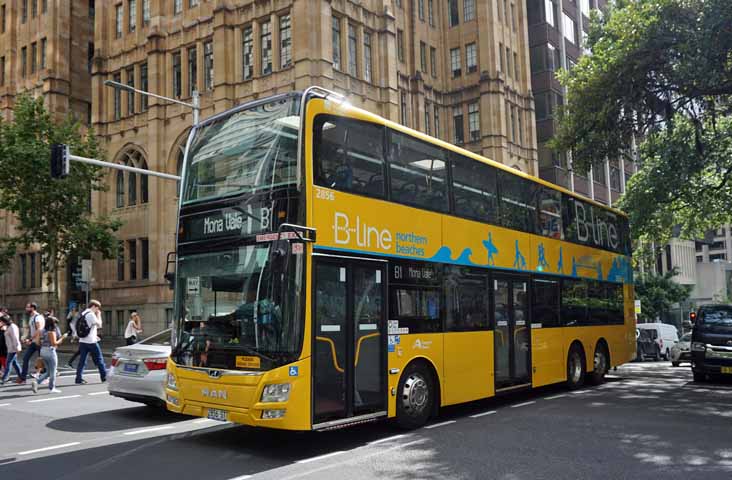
{"x": 23, "y": 278}
{"x": 192, "y": 70}
{"x": 433, "y": 61}
{"x": 118, "y": 20}
{"x": 400, "y": 45}
{"x": 121, "y": 260}
{"x": 423, "y": 56}
{"x": 437, "y": 120}
{"x": 89, "y": 56}
{"x": 285, "y": 41}
{"x": 131, "y": 95}
{"x": 519, "y": 115}
{"x": 455, "y": 62}
{"x": 120, "y": 189}
{"x": 452, "y": 12}
{"x": 2, "y": 71}
{"x": 474, "y": 122}
{"x": 336, "y": 38}
{"x": 34, "y": 8}
{"x": 427, "y": 116}
{"x": 44, "y": 44}
{"x": 144, "y": 258}
{"x": 208, "y": 66}
{"x": 132, "y": 249}
{"x": 468, "y": 10}
{"x": 570, "y": 30}
{"x": 513, "y": 124}
{"x": 145, "y": 12}
{"x": 431, "y": 12}
{"x": 515, "y": 66}
{"x": 32, "y": 265}
{"x": 513, "y": 17}
{"x": 367, "y": 56}
{"x": 117, "y": 97}
{"x": 550, "y": 12}
{"x": 471, "y": 55}
{"x": 420, "y": 9}
{"x": 23, "y": 61}
{"x": 177, "y": 6}
{"x": 132, "y": 15}
{"x": 404, "y": 108}
{"x": 177, "y": 76}
{"x": 247, "y": 48}
{"x": 193, "y": 3}
{"x": 92, "y": 9}
{"x": 34, "y": 55}
{"x": 503, "y": 61}
{"x": 24, "y": 11}
{"x": 457, "y": 125}
{"x": 585, "y": 7}
{"x": 265, "y": 39}
{"x": 352, "y": 54}
{"x": 143, "y": 86}
{"x": 2, "y": 18}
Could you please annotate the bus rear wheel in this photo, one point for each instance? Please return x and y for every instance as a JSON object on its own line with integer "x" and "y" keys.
{"x": 601, "y": 365}
{"x": 575, "y": 368}
{"x": 415, "y": 397}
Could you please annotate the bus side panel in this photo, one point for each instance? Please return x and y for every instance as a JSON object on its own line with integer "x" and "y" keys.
{"x": 548, "y": 355}
{"x": 468, "y": 373}
{"x": 427, "y": 346}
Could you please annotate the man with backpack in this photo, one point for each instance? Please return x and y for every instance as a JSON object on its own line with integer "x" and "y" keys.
{"x": 36, "y": 322}
{"x": 86, "y": 328}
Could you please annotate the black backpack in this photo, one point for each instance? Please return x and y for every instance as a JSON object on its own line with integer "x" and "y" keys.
{"x": 82, "y": 327}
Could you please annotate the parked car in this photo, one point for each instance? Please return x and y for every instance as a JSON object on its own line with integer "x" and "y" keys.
{"x": 681, "y": 351}
{"x": 711, "y": 342}
{"x": 645, "y": 346}
{"x": 665, "y": 337}
{"x": 138, "y": 371}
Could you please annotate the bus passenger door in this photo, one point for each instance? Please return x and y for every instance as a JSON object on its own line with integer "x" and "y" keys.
{"x": 512, "y": 341}
{"x": 349, "y": 330}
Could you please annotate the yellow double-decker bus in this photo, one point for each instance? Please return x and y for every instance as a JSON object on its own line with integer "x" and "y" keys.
{"x": 334, "y": 267}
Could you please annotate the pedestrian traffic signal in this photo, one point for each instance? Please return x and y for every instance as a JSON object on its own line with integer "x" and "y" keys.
{"x": 692, "y": 317}
{"x": 59, "y": 160}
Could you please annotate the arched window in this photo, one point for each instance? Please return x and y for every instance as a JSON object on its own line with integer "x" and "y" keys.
{"x": 131, "y": 188}
{"x": 120, "y": 189}
{"x": 144, "y": 195}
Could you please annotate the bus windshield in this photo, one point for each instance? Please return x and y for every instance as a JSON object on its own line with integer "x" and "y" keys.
{"x": 239, "y": 308}
{"x": 247, "y": 151}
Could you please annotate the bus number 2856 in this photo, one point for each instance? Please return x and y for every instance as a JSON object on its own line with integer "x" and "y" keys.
{"x": 324, "y": 194}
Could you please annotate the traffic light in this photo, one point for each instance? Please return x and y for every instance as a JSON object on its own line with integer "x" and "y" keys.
{"x": 59, "y": 160}
{"x": 692, "y": 317}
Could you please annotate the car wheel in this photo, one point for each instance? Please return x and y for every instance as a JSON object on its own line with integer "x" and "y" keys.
{"x": 601, "y": 365}
{"x": 575, "y": 368}
{"x": 700, "y": 377}
{"x": 416, "y": 397}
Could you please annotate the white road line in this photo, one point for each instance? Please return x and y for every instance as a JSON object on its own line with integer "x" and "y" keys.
{"x": 477, "y": 415}
{"x": 387, "y": 439}
{"x": 556, "y": 396}
{"x": 320, "y": 457}
{"x": 242, "y": 477}
{"x": 522, "y": 404}
{"x": 45, "y": 449}
{"x": 99, "y": 393}
{"x": 4, "y": 404}
{"x": 580, "y": 392}
{"x": 147, "y": 430}
{"x": 442, "y": 424}
{"x": 53, "y": 398}
{"x": 204, "y": 420}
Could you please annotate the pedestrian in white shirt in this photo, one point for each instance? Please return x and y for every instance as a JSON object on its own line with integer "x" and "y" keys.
{"x": 89, "y": 340}
{"x": 134, "y": 326}
{"x": 12, "y": 342}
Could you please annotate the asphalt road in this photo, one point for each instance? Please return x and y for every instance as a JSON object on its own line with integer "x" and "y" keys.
{"x": 648, "y": 421}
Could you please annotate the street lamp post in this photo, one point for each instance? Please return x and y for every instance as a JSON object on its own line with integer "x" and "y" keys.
{"x": 195, "y": 104}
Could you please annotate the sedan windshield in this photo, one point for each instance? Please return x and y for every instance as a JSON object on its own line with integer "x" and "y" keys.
{"x": 239, "y": 308}
{"x": 247, "y": 151}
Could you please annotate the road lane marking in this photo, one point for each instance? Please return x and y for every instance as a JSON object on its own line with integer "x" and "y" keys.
{"x": 4, "y": 404}
{"x": 320, "y": 457}
{"x": 523, "y": 404}
{"x": 241, "y": 477}
{"x": 556, "y": 396}
{"x": 99, "y": 393}
{"x": 54, "y": 398}
{"x": 580, "y": 392}
{"x": 387, "y": 439}
{"x": 204, "y": 420}
{"x": 477, "y": 415}
{"x": 442, "y": 424}
{"x": 147, "y": 430}
{"x": 45, "y": 449}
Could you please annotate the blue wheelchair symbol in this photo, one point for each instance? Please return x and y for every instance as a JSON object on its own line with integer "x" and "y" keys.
{"x": 294, "y": 371}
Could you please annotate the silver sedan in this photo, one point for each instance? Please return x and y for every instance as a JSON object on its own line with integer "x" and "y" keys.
{"x": 138, "y": 371}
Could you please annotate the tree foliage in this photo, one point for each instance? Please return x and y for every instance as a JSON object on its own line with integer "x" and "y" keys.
{"x": 660, "y": 74}
{"x": 657, "y": 293}
{"x": 54, "y": 214}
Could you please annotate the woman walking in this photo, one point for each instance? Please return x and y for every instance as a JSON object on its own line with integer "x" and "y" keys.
{"x": 134, "y": 326}
{"x": 50, "y": 338}
{"x": 12, "y": 342}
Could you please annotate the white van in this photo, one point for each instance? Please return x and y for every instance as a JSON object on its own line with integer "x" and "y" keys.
{"x": 664, "y": 335}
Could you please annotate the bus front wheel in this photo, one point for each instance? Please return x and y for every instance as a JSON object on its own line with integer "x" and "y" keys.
{"x": 575, "y": 368}
{"x": 416, "y": 397}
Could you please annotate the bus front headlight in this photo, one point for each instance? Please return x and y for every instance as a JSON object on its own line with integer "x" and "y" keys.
{"x": 172, "y": 384}
{"x": 276, "y": 392}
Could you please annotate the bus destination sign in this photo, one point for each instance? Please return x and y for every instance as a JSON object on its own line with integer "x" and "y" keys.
{"x": 227, "y": 222}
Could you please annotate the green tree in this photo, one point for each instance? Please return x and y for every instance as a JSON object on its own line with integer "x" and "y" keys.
{"x": 657, "y": 293}
{"x": 660, "y": 74}
{"x": 54, "y": 214}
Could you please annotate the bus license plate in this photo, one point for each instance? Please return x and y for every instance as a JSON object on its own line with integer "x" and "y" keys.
{"x": 130, "y": 368}
{"x": 726, "y": 369}
{"x": 216, "y": 414}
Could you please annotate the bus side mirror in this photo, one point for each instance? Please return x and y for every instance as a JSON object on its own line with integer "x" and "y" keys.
{"x": 170, "y": 270}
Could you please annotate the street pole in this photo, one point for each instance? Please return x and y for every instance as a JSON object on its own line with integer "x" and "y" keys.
{"x": 195, "y": 105}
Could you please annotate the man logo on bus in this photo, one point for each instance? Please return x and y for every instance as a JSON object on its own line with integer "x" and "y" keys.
{"x": 363, "y": 234}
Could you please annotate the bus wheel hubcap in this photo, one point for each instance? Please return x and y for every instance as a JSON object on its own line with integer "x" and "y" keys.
{"x": 575, "y": 368}
{"x": 415, "y": 395}
{"x": 599, "y": 362}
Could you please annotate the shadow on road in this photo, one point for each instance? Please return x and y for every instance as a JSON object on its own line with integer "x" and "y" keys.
{"x": 116, "y": 420}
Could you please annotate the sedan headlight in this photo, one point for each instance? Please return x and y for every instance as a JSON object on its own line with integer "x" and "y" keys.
{"x": 172, "y": 384}
{"x": 698, "y": 347}
{"x": 277, "y": 392}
